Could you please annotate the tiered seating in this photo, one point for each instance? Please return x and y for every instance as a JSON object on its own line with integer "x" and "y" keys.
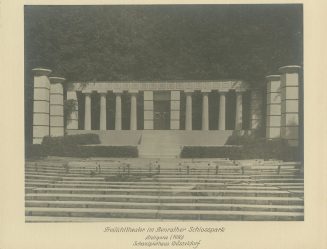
{"x": 169, "y": 189}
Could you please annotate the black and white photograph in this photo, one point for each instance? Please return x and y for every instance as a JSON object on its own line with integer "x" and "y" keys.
{"x": 149, "y": 124}
{"x": 166, "y": 112}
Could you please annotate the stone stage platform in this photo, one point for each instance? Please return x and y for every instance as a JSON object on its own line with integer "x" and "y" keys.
{"x": 160, "y": 143}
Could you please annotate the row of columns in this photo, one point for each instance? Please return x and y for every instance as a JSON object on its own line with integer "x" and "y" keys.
{"x": 282, "y": 107}
{"x": 133, "y": 113}
{"x": 103, "y": 111}
{"x": 48, "y": 108}
{"x": 222, "y": 111}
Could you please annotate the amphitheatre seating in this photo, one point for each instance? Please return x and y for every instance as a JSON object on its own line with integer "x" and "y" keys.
{"x": 96, "y": 189}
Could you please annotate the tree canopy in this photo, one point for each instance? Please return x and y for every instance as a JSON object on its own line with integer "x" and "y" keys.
{"x": 163, "y": 42}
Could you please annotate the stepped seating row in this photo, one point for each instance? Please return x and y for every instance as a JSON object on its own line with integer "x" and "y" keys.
{"x": 165, "y": 180}
{"x": 211, "y": 167}
{"x": 66, "y": 190}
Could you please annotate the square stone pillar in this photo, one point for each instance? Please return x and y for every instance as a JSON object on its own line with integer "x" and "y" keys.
{"x": 88, "y": 110}
{"x": 133, "y": 114}
{"x": 205, "y": 110}
{"x": 148, "y": 110}
{"x": 103, "y": 110}
{"x": 239, "y": 110}
{"x": 222, "y": 110}
{"x": 118, "y": 113}
{"x": 56, "y": 106}
{"x": 41, "y": 105}
{"x": 72, "y": 119}
{"x": 174, "y": 110}
{"x": 290, "y": 104}
{"x": 188, "y": 110}
{"x": 256, "y": 112}
{"x": 273, "y": 120}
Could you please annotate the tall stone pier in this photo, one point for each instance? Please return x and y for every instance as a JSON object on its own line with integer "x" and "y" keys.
{"x": 174, "y": 110}
{"x": 290, "y": 104}
{"x": 273, "y": 119}
{"x": 41, "y": 104}
{"x": 56, "y": 106}
{"x": 148, "y": 110}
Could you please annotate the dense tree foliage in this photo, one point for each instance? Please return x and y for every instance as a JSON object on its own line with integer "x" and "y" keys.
{"x": 163, "y": 42}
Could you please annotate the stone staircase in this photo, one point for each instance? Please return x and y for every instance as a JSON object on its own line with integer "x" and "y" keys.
{"x": 159, "y": 144}
{"x": 169, "y": 143}
{"x": 65, "y": 190}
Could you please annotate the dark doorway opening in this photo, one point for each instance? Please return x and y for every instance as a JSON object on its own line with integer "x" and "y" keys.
{"x": 161, "y": 110}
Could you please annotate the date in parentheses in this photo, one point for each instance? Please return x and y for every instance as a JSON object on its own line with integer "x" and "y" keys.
{"x": 176, "y": 237}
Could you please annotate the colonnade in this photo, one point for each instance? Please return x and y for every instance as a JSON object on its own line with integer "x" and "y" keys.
{"x": 48, "y": 107}
{"x": 103, "y": 111}
{"x": 283, "y": 104}
{"x": 73, "y": 125}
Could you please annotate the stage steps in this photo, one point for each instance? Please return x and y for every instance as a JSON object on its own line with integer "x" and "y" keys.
{"x": 59, "y": 190}
{"x": 159, "y": 144}
{"x": 169, "y": 143}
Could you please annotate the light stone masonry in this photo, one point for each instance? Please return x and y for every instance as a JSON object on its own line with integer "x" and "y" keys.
{"x": 56, "y": 107}
{"x": 239, "y": 110}
{"x": 118, "y": 115}
{"x": 41, "y": 105}
{"x": 188, "y": 114}
{"x": 282, "y": 102}
{"x": 87, "y": 117}
{"x": 103, "y": 111}
{"x": 273, "y": 118}
{"x": 205, "y": 110}
{"x": 174, "y": 110}
{"x": 148, "y": 110}
{"x": 133, "y": 119}
{"x": 290, "y": 104}
{"x": 222, "y": 111}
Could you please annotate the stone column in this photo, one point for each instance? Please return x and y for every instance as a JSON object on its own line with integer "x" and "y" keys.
{"x": 56, "y": 106}
{"x": 188, "y": 116}
{"x": 133, "y": 119}
{"x": 222, "y": 111}
{"x": 174, "y": 110}
{"x": 103, "y": 110}
{"x": 256, "y": 105}
{"x": 290, "y": 104}
{"x": 148, "y": 110}
{"x": 41, "y": 108}
{"x": 72, "y": 120}
{"x": 118, "y": 115}
{"x": 205, "y": 111}
{"x": 87, "y": 118}
{"x": 273, "y": 107}
{"x": 239, "y": 110}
